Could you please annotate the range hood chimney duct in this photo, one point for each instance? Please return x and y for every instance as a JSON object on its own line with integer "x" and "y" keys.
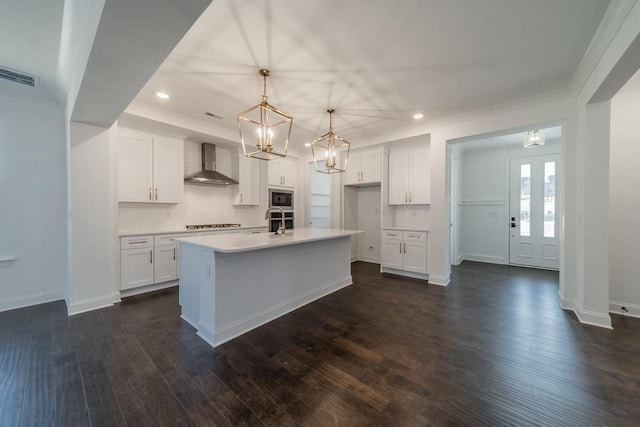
{"x": 208, "y": 175}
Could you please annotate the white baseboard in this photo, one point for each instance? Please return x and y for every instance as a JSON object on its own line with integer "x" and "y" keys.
{"x": 150, "y": 288}
{"x": 368, "y": 259}
{"x": 31, "y": 299}
{"x": 440, "y": 280}
{"x": 484, "y": 258}
{"x": 404, "y": 273}
{"x": 593, "y": 318}
{"x": 215, "y": 337}
{"x": 88, "y": 304}
{"x": 633, "y": 310}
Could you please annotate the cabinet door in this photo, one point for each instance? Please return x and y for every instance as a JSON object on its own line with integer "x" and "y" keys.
{"x": 247, "y": 192}
{"x": 391, "y": 249}
{"x": 136, "y": 268}
{"x": 371, "y": 167}
{"x": 398, "y": 179}
{"x": 352, "y": 175}
{"x": 135, "y": 168}
{"x": 166, "y": 263}
{"x": 168, "y": 170}
{"x": 289, "y": 172}
{"x": 415, "y": 251}
{"x": 419, "y": 177}
{"x": 415, "y": 256}
{"x": 274, "y": 175}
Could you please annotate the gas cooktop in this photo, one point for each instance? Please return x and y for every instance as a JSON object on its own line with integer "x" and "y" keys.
{"x": 210, "y": 226}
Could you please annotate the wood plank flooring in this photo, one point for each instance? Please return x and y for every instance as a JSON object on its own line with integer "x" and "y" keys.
{"x": 493, "y": 348}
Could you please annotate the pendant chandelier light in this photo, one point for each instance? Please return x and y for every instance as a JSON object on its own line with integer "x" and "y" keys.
{"x": 325, "y": 149}
{"x": 534, "y": 138}
{"x": 264, "y": 130}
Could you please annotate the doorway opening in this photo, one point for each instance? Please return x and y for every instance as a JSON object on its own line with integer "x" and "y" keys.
{"x": 320, "y": 198}
{"x": 505, "y": 200}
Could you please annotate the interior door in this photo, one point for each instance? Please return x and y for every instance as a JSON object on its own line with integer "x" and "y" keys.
{"x": 533, "y": 214}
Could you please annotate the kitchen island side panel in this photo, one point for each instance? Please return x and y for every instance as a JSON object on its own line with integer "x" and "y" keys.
{"x": 251, "y": 288}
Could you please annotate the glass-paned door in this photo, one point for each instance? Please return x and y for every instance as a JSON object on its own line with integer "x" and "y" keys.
{"x": 533, "y": 221}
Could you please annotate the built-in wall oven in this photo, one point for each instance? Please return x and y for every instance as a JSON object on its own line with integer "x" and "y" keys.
{"x": 282, "y": 199}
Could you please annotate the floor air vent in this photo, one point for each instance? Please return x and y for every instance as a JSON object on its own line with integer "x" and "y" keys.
{"x": 18, "y": 77}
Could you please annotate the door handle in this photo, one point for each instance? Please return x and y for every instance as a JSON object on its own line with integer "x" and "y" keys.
{"x": 156, "y": 194}
{"x": 151, "y": 257}
{"x": 150, "y": 198}
{"x": 174, "y": 253}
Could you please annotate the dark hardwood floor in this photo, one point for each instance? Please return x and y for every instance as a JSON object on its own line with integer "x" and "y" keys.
{"x": 493, "y": 348}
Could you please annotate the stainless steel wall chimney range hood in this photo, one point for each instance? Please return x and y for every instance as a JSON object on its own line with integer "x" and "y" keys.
{"x": 208, "y": 175}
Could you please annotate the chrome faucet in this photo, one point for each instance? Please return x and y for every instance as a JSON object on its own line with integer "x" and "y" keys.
{"x": 280, "y": 229}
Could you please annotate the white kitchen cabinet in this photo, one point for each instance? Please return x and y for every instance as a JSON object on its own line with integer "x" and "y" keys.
{"x": 409, "y": 178}
{"x": 364, "y": 169}
{"x": 282, "y": 173}
{"x": 151, "y": 168}
{"x": 404, "y": 251}
{"x": 136, "y": 261}
{"x": 247, "y": 192}
{"x": 148, "y": 259}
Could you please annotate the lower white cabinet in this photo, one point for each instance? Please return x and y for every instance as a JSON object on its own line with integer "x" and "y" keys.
{"x": 404, "y": 251}
{"x": 136, "y": 261}
{"x": 147, "y": 260}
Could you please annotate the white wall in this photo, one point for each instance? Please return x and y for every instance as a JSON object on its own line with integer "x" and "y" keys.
{"x": 624, "y": 203}
{"x": 483, "y": 199}
{"x": 33, "y": 206}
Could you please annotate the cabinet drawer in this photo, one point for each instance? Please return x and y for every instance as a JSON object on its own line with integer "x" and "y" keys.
{"x": 391, "y": 235}
{"x": 167, "y": 239}
{"x": 131, "y": 242}
{"x": 415, "y": 236}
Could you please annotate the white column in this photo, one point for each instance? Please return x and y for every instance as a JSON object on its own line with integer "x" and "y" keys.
{"x": 593, "y": 300}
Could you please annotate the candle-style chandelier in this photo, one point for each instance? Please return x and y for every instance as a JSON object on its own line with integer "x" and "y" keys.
{"x": 264, "y": 130}
{"x": 325, "y": 150}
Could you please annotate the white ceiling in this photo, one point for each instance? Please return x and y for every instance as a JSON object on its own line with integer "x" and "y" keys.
{"x": 375, "y": 62}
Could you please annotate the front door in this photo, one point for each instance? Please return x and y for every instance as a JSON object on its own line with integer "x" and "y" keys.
{"x": 533, "y": 213}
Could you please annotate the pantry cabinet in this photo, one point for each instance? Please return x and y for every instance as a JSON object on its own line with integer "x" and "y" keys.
{"x": 409, "y": 178}
{"x": 364, "y": 169}
{"x": 150, "y": 168}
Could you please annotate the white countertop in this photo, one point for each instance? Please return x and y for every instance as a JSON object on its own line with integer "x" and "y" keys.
{"x": 175, "y": 230}
{"x": 231, "y": 243}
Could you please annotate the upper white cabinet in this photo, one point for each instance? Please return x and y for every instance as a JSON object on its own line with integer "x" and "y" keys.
{"x": 364, "y": 168}
{"x": 282, "y": 173}
{"x": 409, "y": 177}
{"x": 151, "y": 168}
{"x": 247, "y": 192}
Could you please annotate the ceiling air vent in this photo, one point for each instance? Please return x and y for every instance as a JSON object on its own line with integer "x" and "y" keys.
{"x": 18, "y": 77}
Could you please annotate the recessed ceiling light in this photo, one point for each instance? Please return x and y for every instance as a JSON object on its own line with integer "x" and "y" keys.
{"x": 162, "y": 95}
{"x": 307, "y": 144}
{"x": 418, "y": 116}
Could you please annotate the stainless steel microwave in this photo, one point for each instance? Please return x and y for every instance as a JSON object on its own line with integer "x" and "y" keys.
{"x": 281, "y": 198}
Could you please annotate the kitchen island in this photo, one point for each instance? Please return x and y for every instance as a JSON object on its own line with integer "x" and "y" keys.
{"x": 232, "y": 283}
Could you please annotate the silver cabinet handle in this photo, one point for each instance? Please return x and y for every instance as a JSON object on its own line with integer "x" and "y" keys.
{"x": 151, "y": 256}
{"x": 156, "y": 194}
{"x": 400, "y": 247}
{"x": 150, "y": 198}
{"x": 405, "y": 248}
{"x": 414, "y": 236}
{"x": 137, "y": 242}
{"x": 406, "y": 196}
{"x": 409, "y": 196}
{"x": 174, "y": 253}
{"x": 240, "y": 197}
